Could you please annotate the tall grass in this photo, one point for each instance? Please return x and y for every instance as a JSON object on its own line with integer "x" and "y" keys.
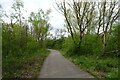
{"x": 24, "y": 65}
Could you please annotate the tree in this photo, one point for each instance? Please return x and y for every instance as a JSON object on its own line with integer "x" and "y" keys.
{"x": 80, "y": 13}
{"x": 15, "y": 32}
{"x": 40, "y": 24}
{"x": 88, "y": 17}
{"x": 17, "y": 7}
{"x": 17, "y": 17}
{"x": 108, "y": 14}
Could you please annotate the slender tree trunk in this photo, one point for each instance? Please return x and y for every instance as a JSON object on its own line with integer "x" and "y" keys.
{"x": 104, "y": 44}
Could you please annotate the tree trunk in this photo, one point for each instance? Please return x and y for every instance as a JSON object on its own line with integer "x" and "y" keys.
{"x": 104, "y": 44}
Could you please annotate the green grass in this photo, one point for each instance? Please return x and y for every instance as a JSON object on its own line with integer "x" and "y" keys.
{"x": 101, "y": 68}
{"x": 25, "y": 65}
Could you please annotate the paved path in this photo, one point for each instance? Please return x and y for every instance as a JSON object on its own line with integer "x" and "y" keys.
{"x": 56, "y": 66}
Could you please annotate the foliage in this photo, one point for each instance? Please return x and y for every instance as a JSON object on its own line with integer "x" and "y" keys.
{"x": 100, "y": 68}
{"x": 17, "y": 52}
{"x": 25, "y": 65}
{"x": 24, "y": 42}
{"x": 113, "y": 38}
{"x": 40, "y": 24}
{"x": 89, "y": 18}
{"x": 22, "y": 53}
{"x": 88, "y": 45}
{"x": 68, "y": 46}
{"x": 90, "y": 59}
{"x": 55, "y": 43}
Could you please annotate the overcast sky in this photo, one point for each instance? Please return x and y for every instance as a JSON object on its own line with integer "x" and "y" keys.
{"x": 56, "y": 19}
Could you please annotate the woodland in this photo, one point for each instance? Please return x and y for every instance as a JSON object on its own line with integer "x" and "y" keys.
{"x": 92, "y": 40}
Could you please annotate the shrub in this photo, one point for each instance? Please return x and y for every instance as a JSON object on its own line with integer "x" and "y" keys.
{"x": 69, "y": 47}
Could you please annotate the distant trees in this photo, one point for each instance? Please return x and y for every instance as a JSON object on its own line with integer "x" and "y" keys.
{"x": 14, "y": 32}
{"x": 23, "y": 41}
{"x": 18, "y": 36}
{"x": 40, "y": 24}
{"x": 1, "y": 12}
{"x": 84, "y": 18}
{"x": 17, "y": 7}
{"x": 79, "y": 17}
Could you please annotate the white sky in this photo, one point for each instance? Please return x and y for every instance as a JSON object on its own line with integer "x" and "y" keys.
{"x": 56, "y": 19}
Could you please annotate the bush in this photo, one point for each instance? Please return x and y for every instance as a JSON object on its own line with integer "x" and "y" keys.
{"x": 69, "y": 47}
{"x": 87, "y": 47}
{"x": 112, "y": 49}
{"x": 91, "y": 44}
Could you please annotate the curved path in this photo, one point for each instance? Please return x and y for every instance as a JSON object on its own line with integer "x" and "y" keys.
{"x": 56, "y": 66}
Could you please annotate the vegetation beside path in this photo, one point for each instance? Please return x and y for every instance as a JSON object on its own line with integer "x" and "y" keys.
{"x": 93, "y": 40}
{"x": 24, "y": 65}
{"x": 23, "y": 42}
{"x": 90, "y": 38}
{"x": 106, "y": 67}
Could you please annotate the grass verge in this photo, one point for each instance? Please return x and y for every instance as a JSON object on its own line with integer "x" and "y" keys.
{"x": 106, "y": 67}
{"x": 25, "y": 65}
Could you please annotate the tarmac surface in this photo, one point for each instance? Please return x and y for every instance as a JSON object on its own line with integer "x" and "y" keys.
{"x": 57, "y": 66}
